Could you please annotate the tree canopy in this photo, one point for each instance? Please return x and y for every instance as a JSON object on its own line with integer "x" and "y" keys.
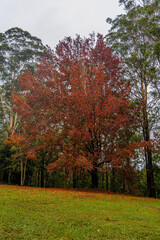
{"x": 77, "y": 107}
{"x": 18, "y": 51}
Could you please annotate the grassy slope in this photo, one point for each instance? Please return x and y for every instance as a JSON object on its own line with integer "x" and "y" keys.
{"x": 33, "y": 213}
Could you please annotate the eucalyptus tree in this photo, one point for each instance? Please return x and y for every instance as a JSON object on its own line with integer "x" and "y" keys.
{"x": 18, "y": 51}
{"x": 135, "y": 37}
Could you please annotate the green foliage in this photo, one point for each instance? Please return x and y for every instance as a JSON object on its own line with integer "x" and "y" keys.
{"x": 18, "y": 51}
{"x": 9, "y": 168}
{"x": 134, "y": 36}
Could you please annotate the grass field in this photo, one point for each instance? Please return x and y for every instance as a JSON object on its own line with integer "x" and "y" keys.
{"x": 35, "y": 213}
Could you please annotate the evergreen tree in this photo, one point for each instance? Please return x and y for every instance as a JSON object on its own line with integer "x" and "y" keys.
{"x": 18, "y": 51}
{"x": 135, "y": 37}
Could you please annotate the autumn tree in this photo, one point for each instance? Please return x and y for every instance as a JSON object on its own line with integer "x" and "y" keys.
{"x": 79, "y": 101}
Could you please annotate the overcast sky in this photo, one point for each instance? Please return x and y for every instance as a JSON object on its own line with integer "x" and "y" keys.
{"x": 52, "y": 20}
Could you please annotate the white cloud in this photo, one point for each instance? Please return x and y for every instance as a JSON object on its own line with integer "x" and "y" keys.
{"x": 51, "y": 20}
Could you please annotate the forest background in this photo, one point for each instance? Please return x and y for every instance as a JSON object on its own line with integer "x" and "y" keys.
{"x": 87, "y": 114}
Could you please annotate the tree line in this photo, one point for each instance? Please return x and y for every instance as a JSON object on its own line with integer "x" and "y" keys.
{"x": 86, "y": 114}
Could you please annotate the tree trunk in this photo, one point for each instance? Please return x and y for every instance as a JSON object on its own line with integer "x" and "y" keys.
{"x": 113, "y": 181}
{"x": 1, "y": 175}
{"x": 74, "y": 179}
{"x": 94, "y": 175}
{"x": 39, "y": 178}
{"x": 102, "y": 180}
{"x": 148, "y": 158}
{"x": 150, "y": 177}
{"x": 9, "y": 176}
{"x": 42, "y": 175}
{"x": 146, "y": 135}
{"x": 23, "y": 171}
{"x": 107, "y": 184}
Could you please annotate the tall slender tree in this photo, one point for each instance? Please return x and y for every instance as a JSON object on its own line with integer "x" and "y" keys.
{"x": 18, "y": 51}
{"x": 135, "y": 37}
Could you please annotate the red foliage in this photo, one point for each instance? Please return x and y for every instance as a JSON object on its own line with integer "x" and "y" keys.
{"x": 76, "y": 106}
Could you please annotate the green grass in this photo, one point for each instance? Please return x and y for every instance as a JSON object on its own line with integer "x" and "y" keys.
{"x": 35, "y": 213}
